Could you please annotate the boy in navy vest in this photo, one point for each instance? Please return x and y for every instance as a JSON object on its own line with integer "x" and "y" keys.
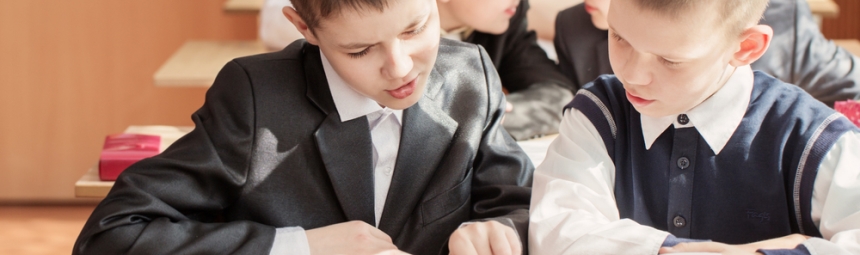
{"x": 798, "y": 53}
{"x": 686, "y": 149}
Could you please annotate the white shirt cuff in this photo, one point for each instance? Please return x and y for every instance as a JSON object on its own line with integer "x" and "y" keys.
{"x": 290, "y": 241}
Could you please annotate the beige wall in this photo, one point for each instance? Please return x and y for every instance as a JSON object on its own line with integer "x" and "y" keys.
{"x": 72, "y": 72}
{"x": 847, "y": 25}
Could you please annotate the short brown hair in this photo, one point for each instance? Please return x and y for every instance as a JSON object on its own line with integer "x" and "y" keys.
{"x": 737, "y": 15}
{"x": 313, "y": 11}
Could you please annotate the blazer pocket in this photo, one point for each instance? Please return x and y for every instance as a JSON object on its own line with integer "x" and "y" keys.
{"x": 448, "y": 201}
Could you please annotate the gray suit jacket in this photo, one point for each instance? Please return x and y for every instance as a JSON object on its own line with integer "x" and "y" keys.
{"x": 269, "y": 150}
{"x": 798, "y": 54}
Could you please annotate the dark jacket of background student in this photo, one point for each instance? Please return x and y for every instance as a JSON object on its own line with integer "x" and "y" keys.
{"x": 536, "y": 88}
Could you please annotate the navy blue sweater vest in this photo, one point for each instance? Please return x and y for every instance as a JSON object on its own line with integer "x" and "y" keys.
{"x": 758, "y": 187}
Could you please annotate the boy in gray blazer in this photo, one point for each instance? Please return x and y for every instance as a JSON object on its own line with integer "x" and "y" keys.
{"x": 371, "y": 137}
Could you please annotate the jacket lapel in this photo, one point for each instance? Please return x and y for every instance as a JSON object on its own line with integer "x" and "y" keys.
{"x": 425, "y": 137}
{"x": 345, "y": 147}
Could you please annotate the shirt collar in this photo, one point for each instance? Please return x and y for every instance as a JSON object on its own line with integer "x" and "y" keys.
{"x": 716, "y": 118}
{"x": 458, "y": 34}
{"x": 349, "y": 103}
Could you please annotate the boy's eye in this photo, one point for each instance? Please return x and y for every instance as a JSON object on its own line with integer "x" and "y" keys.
{"x": 360, "y": 53}
{"x": 616, "y": 36}
{"x": 417, "y": 31}
{"x": 669, "y": 63}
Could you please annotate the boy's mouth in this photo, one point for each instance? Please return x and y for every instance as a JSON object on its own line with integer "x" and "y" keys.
{"x": 638, "y": 101}
{"x": 403, "y": 91}
{"x": 512, "y": 10}
{"x": 590, "y": 9}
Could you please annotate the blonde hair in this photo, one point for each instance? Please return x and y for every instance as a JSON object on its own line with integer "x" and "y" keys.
{"x": 736, "y": 15}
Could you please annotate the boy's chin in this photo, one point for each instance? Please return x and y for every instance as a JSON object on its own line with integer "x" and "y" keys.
{"x": 599, "y": 22}
{"x": 494, "y": 29}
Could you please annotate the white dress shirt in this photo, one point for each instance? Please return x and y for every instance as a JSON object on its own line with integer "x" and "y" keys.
{"x": 457, "y": 34}
{"x": 385, "y": 127}
{"x": 573, "y": 209}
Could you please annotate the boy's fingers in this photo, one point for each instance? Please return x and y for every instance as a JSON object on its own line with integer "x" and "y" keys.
{"x": 375, "y": 232}
{"x": 516, "y": 245}
{"x": 395, "y": 252}
{"x": 698, "y": 247}
{"x": 499, "y": 243}
{"x": 462, "y": 246}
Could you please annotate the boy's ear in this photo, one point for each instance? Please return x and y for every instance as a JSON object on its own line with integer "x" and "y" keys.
{"x": 300, "y": 24}
{"x": 754, "y": 43}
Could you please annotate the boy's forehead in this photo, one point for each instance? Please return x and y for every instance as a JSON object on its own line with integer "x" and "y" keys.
{"x": 690, "y": 35}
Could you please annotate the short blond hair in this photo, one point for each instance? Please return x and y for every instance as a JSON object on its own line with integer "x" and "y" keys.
{"x": 737, "y": 15}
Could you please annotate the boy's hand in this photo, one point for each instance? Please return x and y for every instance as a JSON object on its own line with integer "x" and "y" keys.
{"x": 354, "y": 237}
{"x": 485, "y": 238}
{"x": 785, "y": 242}
{"x": 714, "y": 247}
{"x": 508, "y": 108}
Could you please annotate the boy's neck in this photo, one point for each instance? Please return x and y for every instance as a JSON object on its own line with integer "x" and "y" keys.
{"x": 447, "y": 21}
{"x": 724, "y": 78}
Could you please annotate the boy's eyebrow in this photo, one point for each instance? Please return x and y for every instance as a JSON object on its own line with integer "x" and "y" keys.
{"x": 352, "y": 46}
{"x": 417, "y": 21}
{"x": 662, "y": 56}
{"x": 414, "y": 23}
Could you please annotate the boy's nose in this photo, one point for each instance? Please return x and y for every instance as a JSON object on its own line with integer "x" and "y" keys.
{"x": 398, "y": 64}
{"x": 636, "y": 71}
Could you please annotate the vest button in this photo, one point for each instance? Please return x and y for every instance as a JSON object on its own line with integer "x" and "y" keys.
{"x": 679, "y": 221}
{"x": 683, "y": 162}
{"x": 683, "y": 119}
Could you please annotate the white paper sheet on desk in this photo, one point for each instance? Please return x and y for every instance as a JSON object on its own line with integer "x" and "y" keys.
{"x": 536, "y": 148}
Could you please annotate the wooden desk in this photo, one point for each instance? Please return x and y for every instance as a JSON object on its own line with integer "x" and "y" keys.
{"x": 850, "y": 45}
{"x": 91, "y": 186}
{"x": 243, "y": 5}
{"x": 197, "y": 63}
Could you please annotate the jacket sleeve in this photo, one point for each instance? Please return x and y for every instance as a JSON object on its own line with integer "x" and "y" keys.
{"x": 826, "y": 71}
{"x": 172, "y": 203}
{"x": 563, "y": 29}
{"x": 537, "y": 89}
{"x": 502, "y": 177}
